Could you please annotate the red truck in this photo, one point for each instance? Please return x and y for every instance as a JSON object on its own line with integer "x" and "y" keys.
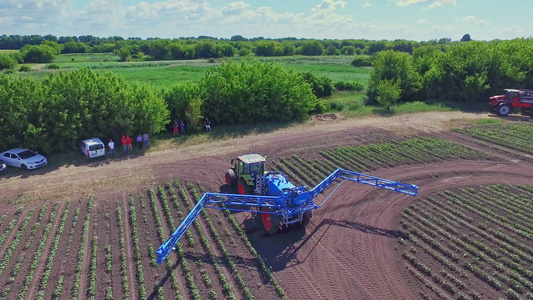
{"x": 504, "y": 104}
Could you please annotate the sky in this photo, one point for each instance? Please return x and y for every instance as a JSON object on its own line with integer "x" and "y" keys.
{"x": 416, "y": 20}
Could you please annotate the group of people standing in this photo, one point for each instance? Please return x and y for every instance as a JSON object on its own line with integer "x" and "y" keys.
{"x": 142, "y": 141}
{"x": 178, "y": 127}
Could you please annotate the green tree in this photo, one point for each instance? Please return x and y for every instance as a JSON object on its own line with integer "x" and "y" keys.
{"x": 185, "y": 103}
{"x": 397, "y": 67}
{"x": 38, "y": 54}
{"x": 7, "y": 62}
{"x": 313, "y": 47}
{"x": 252, "y": 91}
{"x": 387, "y": 93}
{"x": 124, "y": 53}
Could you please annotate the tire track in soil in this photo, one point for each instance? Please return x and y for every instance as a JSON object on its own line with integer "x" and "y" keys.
{"x": 128, "y": 243}
{"x": 36, "y": 281}
{"x": 86, "y": 252}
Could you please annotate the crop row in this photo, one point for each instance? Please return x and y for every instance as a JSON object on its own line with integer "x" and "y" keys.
{"x": 469, "y": 230}
{"x": 514, "y": 136}
{"x": 368, "y": 157}
{"x": 53, "y": 251}
{"x": 123, "y": 259}
{"x": 206, "y": 244}
{"x": 81, "y": 251}
{"x": 247, "y": 294}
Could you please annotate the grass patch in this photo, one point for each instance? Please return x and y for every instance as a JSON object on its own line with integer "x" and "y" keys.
{"x": 418, "y": 106}
{"x": 163, "y": 76}
{"x": 8, "y": 51}
{"x": 489, "y": 121}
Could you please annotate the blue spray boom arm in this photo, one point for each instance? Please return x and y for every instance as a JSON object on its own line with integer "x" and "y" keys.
{"x": 276, "y": 203}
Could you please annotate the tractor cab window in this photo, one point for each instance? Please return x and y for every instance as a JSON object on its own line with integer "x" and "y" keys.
{"x": 509, "y": 96}
{"x": 242, "y": 169}
{"x": 257, "y": 168}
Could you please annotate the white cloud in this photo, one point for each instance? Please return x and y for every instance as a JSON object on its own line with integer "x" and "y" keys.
{"x": 433, "y": 3}
{"x": 367, "y": 4}
{"x": 408, "y": 2}
{"x": 481, "y": 22}
{"x": 422, "y": 21}
{"x": 439, "y": 3}
{"x": 468, "y": 18}
{"x": 235, "y": 8}
{"x": 328, "y": 5}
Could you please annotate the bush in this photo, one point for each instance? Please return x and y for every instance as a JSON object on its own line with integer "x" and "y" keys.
{"x": 7, "y": 62}
{"x": 25, "y": 68}
{"x": 322, "y": 86}
{"x": 361, "y": 61}
{"x": 52, "y": 66}
{"x": 349, "y": 86}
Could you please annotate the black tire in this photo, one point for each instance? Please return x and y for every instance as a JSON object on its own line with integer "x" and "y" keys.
{"x": 531, "y": 111}
{"x": 243, "y": 188}
{"x": 270, "y": 222}
{"x": 24, "y": 167}
{"x": 504, "y": 110}
{"x": 306, "y": 217}
{"x": 230, "y": 177}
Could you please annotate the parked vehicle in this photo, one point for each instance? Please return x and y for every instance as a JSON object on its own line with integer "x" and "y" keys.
{"x": 3, "y": 166}
{"x": 504, "y": 104}
{"x": 23, "y": 158}
{"x": 92, "y": 148}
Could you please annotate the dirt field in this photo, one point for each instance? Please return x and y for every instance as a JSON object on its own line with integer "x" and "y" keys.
{"x": 348, "y": 251}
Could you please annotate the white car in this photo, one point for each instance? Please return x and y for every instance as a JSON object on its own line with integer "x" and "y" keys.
{"x": 23, "y": 158}
{"x": 2, "y": 166}
{"x": 92, "y": 148}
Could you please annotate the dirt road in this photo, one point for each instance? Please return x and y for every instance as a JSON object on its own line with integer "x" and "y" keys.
{"x": 137, "y": 172}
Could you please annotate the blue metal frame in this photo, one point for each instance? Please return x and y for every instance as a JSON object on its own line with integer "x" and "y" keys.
{"x": 278, "y": 202}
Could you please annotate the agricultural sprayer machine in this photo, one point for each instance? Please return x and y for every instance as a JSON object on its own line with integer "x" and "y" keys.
{"x": 270, "y": 194}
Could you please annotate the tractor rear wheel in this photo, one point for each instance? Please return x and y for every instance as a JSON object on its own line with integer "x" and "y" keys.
{"x": 243, "y": 188}
{"x": 504, "y": 110}
{"x": 230, "y": 177}
{"x": 306, "y": 217}
{"x": 270, "y": 221}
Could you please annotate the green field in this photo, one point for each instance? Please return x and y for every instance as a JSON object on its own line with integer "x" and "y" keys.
{"x": 164, "y": 73}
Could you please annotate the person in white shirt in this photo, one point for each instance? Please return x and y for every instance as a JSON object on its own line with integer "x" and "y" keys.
{"x": 111, "y": 145}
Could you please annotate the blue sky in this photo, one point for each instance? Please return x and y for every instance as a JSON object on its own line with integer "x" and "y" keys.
{"x": 418, "y": 20}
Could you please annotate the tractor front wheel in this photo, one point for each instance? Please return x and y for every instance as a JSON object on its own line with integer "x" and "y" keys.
{"x": 230, "y": 177}
{"x": 243, "y": 188}
{"x": 504, "y": 110}
{"x": 271, "y": 222}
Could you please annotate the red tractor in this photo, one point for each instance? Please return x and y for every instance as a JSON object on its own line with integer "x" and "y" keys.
{"x": 504, "y": 104}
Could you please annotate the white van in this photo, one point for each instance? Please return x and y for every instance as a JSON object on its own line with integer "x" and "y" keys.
{"x": 92, "y": 148}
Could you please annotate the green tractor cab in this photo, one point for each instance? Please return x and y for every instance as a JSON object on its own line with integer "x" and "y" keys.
{"x": 243, "y": 173}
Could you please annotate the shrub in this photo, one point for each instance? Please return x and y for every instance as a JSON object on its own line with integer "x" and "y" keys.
{"x": 349, "y": 86}
{"x": 25, "y": 68}
{"x": 361, "y": 61}
{"x": 7, "y": 62}
{"x": 52, "y": 66}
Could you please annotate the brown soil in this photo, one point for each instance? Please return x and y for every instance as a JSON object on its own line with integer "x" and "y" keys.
{"x": 348, "y": 249}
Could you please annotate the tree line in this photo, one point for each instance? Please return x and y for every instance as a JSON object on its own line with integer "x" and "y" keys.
{"x": 53, "y": 114}
{"x": 455, "y": 72}
{"x": 201, "y": 47}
